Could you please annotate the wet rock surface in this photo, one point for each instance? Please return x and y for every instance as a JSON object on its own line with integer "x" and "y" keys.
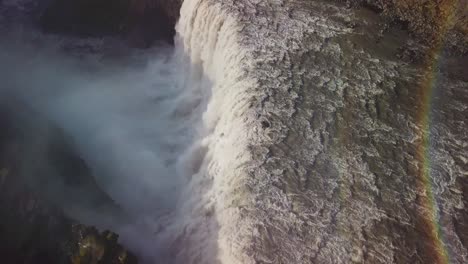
{"x": 98, "y": 247}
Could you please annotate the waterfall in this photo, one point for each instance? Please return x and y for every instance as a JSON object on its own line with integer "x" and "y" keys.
{"x": 208, "y": 35}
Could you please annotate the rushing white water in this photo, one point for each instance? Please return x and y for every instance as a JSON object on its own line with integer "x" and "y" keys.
{"x": 209, "y": 218}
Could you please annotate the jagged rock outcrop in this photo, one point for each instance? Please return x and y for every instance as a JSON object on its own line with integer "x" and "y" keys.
{"x": 91, "y": 246}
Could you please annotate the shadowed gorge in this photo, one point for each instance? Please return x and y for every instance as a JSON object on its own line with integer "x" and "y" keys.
{"x": 141, "y": 22}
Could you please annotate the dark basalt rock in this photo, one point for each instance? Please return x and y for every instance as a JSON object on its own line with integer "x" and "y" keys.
{"x": 91, "y": 246}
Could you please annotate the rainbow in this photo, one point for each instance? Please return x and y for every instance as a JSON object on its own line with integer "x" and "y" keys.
{"x": 428, "y": 85}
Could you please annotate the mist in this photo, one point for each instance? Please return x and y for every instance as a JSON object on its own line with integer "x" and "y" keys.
{"x": 132, "y": 117}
